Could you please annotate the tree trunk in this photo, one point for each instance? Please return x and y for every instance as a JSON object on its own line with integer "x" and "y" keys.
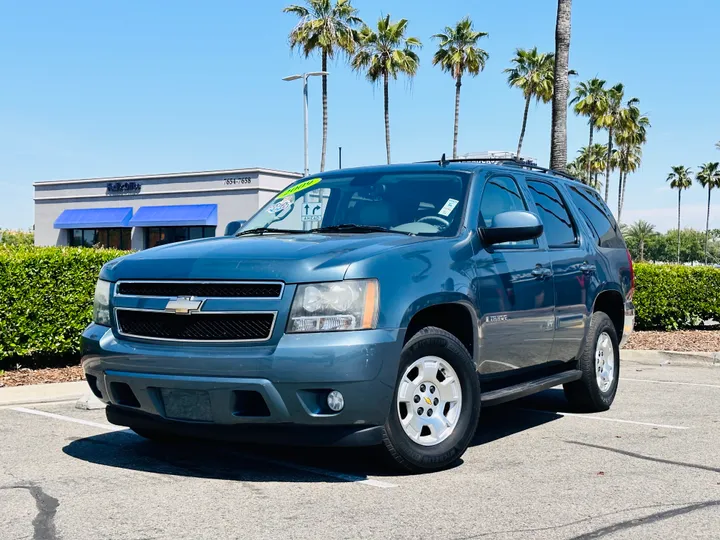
{"x": 589, "y": 152}
{"x": 707, "y": 225}
{"x": 558, "y": 144}
{"x": 325, "y": 112}
{"x": 608, "y": 166}
{"x": 596, "y": 180}
{"x": 387, "y": 117}
{"x": 679, "y": 196}
{"x": 620, "y": 187}
{"x": 642, "y": 250}
{"x": 524, "y": 123}
{"x": 623, "y": 181}
{"x": 458, "y": 84}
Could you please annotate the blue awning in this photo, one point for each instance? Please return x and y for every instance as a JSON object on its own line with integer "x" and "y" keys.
{"x": 93, "y": 218}
{"x": 175, "y": 216}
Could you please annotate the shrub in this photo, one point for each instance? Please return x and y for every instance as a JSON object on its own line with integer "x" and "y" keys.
{"x": 46, "y": 296}
{"x": 670, "y": 297}
{"x": 16, "y": 238}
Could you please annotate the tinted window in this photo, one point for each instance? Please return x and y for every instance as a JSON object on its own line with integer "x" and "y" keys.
{"x": 107, "y": 238}
{"x": 557, "y": 223}
{"x": 502, "y": 194}
{"x": 598, "y": 217}
{"x": 159, "y": 236}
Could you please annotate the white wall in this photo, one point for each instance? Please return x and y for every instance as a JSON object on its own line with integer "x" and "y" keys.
{"x": 234, "y": 200}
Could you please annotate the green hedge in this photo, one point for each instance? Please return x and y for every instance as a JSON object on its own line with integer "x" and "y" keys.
{"x": 46, "y": 301}
{"x": 670, "y": 297}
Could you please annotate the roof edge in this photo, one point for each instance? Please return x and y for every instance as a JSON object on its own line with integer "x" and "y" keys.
{"x": 290, "y": 174}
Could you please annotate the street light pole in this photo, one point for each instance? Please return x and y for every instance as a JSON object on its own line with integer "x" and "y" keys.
{"x": 304, "y": 78}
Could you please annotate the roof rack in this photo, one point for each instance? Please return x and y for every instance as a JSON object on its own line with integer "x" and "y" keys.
{"x": 512, "y": 162}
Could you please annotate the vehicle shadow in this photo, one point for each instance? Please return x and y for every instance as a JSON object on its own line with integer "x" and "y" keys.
{"x": 264, "y": 463}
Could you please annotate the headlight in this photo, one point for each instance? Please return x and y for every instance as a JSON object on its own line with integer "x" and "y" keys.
{"x": 101, "y": 304}
{"x": 342, "y": 305}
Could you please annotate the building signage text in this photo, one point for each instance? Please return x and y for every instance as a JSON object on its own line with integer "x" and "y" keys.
{"x": 123, "y": 187}
{"x": 237, "y": 181}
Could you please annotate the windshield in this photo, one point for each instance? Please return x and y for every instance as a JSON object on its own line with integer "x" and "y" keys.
{"x": 410, "y": 203}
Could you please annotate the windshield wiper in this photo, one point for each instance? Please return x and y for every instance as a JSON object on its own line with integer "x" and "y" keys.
{"x": 261, "y": 230}
{"x": 353, "y": 228}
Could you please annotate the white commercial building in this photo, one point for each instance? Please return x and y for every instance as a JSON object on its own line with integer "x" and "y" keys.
{"x": 139, "y": 212}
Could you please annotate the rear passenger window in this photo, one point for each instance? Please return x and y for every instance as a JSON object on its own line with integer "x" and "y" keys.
{"x": 598, "y": 217}
{"x": 558, "y": 225}
{"x": 502, "y": 194}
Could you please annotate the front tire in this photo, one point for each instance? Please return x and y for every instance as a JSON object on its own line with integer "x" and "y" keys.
{"x": 436, "y": 403}
{"x": 600, "y": 366}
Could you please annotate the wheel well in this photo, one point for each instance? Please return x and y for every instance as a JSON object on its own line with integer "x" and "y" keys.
{"x": 453, "y": 318}
{"x": 611, "y": 303}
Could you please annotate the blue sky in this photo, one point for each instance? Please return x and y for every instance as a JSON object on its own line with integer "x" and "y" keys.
{"x": 135, "y": 87}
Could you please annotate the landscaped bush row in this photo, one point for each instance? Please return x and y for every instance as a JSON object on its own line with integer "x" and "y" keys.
{"x": 669, "y": 297}
{"x": 46, "y": 297}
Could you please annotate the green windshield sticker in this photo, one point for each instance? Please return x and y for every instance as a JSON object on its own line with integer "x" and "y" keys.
{"x": 299, "y": 187}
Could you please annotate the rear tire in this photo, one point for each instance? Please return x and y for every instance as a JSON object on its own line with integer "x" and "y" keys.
{"x": 436, "y": 371}
{"x": 599, "y": 362}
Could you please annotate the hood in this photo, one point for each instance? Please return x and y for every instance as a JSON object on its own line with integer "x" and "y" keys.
{"x": 289, "y": 258}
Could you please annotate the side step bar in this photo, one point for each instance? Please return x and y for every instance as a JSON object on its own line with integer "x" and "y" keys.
{"x": 525, "y": 389}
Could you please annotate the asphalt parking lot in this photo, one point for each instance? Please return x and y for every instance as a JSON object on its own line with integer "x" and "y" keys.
{"x": 648, "y": 468}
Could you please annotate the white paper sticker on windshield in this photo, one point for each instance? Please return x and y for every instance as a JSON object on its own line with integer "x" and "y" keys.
{"x": 449, "y": 207}
{"x": 282, "y": 205}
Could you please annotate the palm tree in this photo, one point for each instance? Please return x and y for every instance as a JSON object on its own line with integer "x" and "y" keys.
{"x": 458, "y": 52}
{"x": 328, "y": 28}
{"x": 630, "y": 136}
{"x": 590, "y": 100}
{"x": 708, "y": 177}
{"x": 593, "y": 159}
{"x": 532, "y": 72}
{"x": 385, "y": 53}
{"x": 628, "y": 160}
{"x": 610, "y": 120}
{"x": 558, "y": 134}
{"x": 680, "y": 178}
{"x": 641, "y": 231}
{"x": 575, "y": 168}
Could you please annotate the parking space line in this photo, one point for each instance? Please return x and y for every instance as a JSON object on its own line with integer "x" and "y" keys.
{"x": 107, "y": 427}
{"x": 670, "y": 382}
{"x": 288, "y": 465}
{"x": 605, "y": 419}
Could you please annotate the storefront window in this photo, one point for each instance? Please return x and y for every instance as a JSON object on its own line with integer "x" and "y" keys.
{"x": 158, "y": 236}
{"x": 107, "y": 238}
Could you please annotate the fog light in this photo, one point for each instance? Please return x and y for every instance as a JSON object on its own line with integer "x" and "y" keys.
{"x": 335, "y": 401}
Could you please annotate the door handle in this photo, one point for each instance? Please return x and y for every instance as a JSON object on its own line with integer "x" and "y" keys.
{"x": 587, "y": 268}
{"x": 541, "y": 273}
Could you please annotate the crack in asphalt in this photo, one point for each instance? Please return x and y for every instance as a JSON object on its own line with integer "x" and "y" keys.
{"x": 564, "y": 525}
{"x": 44, "y": 521}
{"x": 647, "y": 458}
{"x": 646, "y": 520}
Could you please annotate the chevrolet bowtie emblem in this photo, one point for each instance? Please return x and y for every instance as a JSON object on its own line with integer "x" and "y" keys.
{"x": 427, "y": 400}
{"x": 184, "y": 305}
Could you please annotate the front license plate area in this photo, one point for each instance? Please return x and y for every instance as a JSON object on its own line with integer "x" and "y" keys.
{"x": 191, "y": 405}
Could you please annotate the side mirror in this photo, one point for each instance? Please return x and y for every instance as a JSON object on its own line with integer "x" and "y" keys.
{"x": 233, "y": 227}
{"x": 512, "y": 227}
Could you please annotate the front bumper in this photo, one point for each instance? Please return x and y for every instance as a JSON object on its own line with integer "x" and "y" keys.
{"x": 287, "y": 384}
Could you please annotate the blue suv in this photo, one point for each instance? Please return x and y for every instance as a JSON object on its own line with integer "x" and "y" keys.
{"x": 378, "y": 305}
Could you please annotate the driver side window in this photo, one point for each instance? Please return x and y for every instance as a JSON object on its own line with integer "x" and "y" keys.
{"x": 502, "y": 194}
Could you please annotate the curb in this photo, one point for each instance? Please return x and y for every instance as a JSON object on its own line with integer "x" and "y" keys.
{"x": 674, "y": 358}
{"x": 42, "y": 393}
